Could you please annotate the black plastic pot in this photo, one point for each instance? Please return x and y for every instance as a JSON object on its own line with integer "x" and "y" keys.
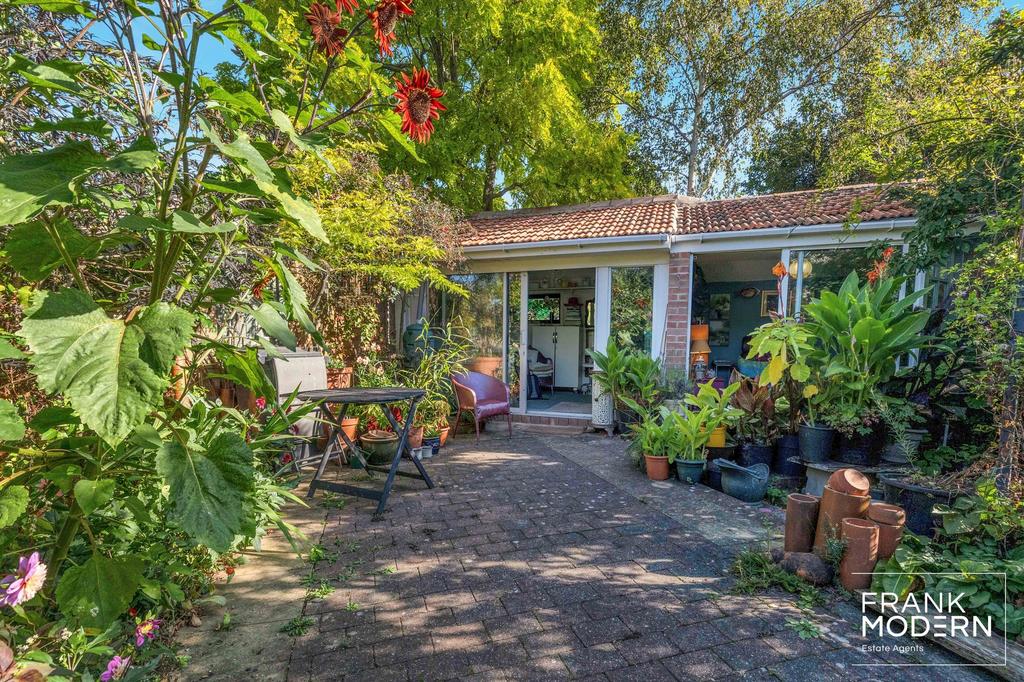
{"x": 862, "y": 450}
{"x": 917, "y": 501}
{"x": 786, "y": 447}
{"x": 755, "y": 453}
{"x": 816, "y": 442}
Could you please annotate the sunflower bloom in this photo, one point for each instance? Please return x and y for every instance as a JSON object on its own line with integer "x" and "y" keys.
{"x": 323, "y": 23}
{"x": 385, "y": 17}
{"x": 419, "y": 104}
{"x": 349, "y": 6}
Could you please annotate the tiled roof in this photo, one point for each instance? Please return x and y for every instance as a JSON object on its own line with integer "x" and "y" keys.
{"x": 679, "y": 215}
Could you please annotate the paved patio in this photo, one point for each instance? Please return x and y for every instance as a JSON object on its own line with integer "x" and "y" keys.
{"x": 542, "y": 557}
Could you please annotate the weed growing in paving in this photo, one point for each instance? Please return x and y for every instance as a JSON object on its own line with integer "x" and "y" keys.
{"x": 387, "y": 570}
{"x": 297, "y": 626}
{"x": 332, "y": 501}
{"x": 318, "y": 553}
{"x": 755, "y": 572}
{"x": 805, "y": 628}
{"x": 318, "y": 589}
{"x": 352, "y": 606}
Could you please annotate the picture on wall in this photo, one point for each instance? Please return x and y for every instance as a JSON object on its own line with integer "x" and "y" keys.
{"x": 718, "y": 319}
{"x": 769, "y": 303}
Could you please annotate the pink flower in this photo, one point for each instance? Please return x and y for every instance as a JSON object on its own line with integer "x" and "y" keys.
{"x": 25, "y": 583}
{"x": 261, "y": 403}
{"x": 146, "y": 631}
{"x": 116, "y": 668}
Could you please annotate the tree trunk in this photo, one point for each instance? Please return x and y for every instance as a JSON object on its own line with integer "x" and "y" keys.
{"x": 695, "y": 132}
{"x": 490, "y": 175}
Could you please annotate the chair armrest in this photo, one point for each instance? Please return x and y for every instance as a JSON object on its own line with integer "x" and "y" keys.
{"x": 465, "y": 395}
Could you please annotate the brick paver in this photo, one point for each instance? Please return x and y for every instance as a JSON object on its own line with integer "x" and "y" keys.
{"x": 550, "y": 558}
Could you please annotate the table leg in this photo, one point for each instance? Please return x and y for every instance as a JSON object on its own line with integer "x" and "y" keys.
{"x": 324, "y": 409}
{"x": 403, "y": 445}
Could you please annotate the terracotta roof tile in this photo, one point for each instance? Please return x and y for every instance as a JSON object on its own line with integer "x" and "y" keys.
{"x": 673, "y": 214}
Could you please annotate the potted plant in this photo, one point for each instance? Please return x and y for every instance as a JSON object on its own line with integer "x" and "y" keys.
{"x": 815, "y": 436}
{"x": 438, "y": 357}
{"x": 720, "y": 413}
{"x": 758, "y": 427}
{"x": 609, "y": 379}
{"x": 787, "y": 343}
{"x": 653, "y": 440}
{"x": 859, "y": 333}
{"x": 692, "y": 430}
{"x": 898, "y": 416}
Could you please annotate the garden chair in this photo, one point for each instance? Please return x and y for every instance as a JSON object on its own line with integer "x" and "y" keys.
{"x": 300, "y": 371}
{"x": 483, "y": 397}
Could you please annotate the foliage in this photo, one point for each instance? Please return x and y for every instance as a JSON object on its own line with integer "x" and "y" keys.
{"x": 760, "y": 423}
{"x": 529, "y": 120}
{"x": 859, "y": 333}
{"x": 676, "y": 435}
{"x": 631, "y": 376}
{"x": 804, "y": 627}
{"x": 790, "y": 346}
{"x": 716, "y": 404}
{"x": 432, "y": 371}
{"x": 980, "y": 537}
{"x": 945, "y": 459}
{"x": 756, "y": 572}
{"x": 714, "y": 77}
{"x": 138, "y": 206}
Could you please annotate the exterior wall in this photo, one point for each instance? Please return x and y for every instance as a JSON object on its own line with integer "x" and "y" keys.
{"x": 677, "y": 326}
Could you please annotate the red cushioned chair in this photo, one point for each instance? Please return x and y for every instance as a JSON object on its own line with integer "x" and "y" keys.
{"x": 482, "y": 396}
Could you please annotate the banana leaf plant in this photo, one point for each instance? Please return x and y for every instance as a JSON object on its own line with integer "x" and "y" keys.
{"x": 859, "y": 334}
{"x": 759, "y": 422}
{"x": 717, "y": 405}
{"x": 788, "y": 343}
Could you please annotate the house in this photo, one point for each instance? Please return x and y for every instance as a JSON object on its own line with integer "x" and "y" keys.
{"x": 682, "y": 278}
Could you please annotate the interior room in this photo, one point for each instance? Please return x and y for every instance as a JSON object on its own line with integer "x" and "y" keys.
{"x": 733, "y": 294}
{"x": 560, "y": 319}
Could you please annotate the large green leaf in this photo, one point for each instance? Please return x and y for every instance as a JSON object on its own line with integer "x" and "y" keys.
{"x": 91, "y": 495}
{"x": 113, "y": 372}
{"x": 55, "y": 74}
{"x": 30, "y": 182}
{"x": 33, "y": 254}
{"x": 295, "y": 300}
{"x": 273, "y": 324}
{"x": 249, "y": 159}
{"x": 13, "y": 503}
{"x": 11, "y": 425}
{"x": 140, "y": 156}
{"x": 207, "y": 489}
{"x": 100, "y": 590}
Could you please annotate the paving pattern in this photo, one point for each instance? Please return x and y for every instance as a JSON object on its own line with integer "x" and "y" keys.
{"x": 549, "y": 557}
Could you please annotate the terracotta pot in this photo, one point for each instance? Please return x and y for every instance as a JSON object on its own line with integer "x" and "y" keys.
{"x": 850, "y": 481}
{"x": 350, "y": 425}
{"x": 861, "y": 553}
{"x": 890, "y": 520}
{"x": 485, "y": 364}
{"x": 717, "y": 438}
{"x": 890, "y": 514}
{"x": 836, "y": 506}
{"x": 657, "y": 468}
{"x": 415, "y": 436}
{"x": 227, "y": 394}
{"x": 888, "y": 539}
{"x": 339, "y": 377}
{"x": 801, "y": 520}
{"x": 443, "y": 434}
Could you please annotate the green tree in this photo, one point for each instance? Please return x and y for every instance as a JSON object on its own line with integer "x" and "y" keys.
{"x": 716, "y": 75}
{"x": 529, "y": 119}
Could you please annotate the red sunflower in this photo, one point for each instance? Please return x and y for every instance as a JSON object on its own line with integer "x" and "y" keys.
{"x": 385, "y": 17}
{"x": 323, "y": 23}
{"x": 349, "y": 6}
{"x": 419, "y": 104}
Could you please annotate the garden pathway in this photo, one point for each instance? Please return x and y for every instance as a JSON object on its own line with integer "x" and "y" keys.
{"x": 544, "y": 557}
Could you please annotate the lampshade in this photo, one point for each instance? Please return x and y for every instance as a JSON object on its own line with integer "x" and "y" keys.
{"x": 700, "y": 346}
{"x": 793, "y": 265}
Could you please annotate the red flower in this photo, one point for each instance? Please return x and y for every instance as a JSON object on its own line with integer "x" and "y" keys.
{"x": 261, "y": 403}
{"x": 887, "y": 254}
{"x": 323, "y": 23}
{"x": 418, "y": 104}
{"x": 230, "y": 570}
{"x": 133, "y": 612}
{"x": 286, "y": 458}
{"x": 779, "y": 270}
{"x": 349, "y": 6}
{"x": 874, "y": 274}
{"x": 385, "y": 17}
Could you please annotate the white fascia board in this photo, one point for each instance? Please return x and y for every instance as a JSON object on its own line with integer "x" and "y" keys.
{"x": 562, "y": 247}
{"x": 832, "y": 235}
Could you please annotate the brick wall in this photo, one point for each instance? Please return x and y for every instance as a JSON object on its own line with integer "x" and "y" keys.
{"x": 677, "y": 338}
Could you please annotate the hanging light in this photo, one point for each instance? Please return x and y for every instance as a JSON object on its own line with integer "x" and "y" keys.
{"x": 795, "y": 265}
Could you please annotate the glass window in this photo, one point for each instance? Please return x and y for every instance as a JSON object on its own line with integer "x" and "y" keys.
{"x": 825, "y": 270}
{"x": 632, "y": 306}
{"x": 512, "y": 301}
{"x": 479, "y": 315}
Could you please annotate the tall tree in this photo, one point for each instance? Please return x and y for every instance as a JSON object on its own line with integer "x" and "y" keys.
{"x": 529, "y": 118}
{"x": 713, "y": 75}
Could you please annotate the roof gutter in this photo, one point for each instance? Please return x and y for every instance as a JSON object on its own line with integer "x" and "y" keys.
{"x": 802, "y": 230}
{"x": 651, "y": 239}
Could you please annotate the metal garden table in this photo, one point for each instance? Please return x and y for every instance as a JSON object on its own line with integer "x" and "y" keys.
{"x": 334, "y": 404}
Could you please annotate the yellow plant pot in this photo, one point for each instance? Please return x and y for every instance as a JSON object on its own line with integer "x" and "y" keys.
{"x": 717, "y": 439}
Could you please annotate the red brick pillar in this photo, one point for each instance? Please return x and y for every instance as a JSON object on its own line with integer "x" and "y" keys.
{"x": 677, "y": 328}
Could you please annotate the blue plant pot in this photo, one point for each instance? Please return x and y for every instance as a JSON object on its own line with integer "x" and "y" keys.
{"x": 689, "y": 471}
{"x": 435, "y": 444}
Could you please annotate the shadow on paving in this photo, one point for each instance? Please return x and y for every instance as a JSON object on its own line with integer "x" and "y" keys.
{"x": 543, "y": 557}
